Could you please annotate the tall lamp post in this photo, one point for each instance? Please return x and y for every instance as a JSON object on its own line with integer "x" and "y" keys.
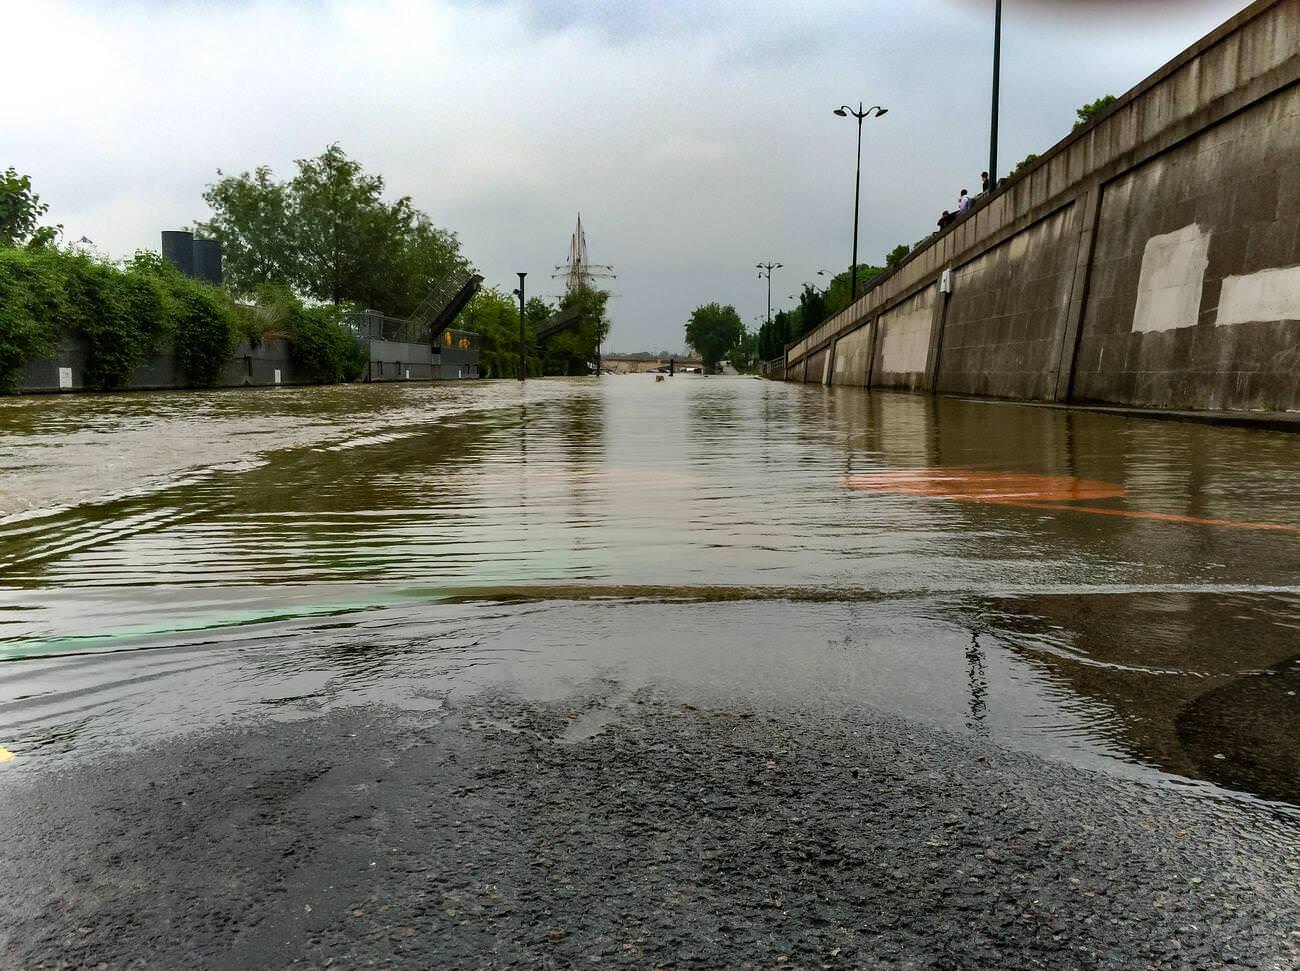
{"x": 523, "y": 351}
{"x": 765, "y": 272}
{"x": 997, "y": 72}
{"x": 844, "y": 111}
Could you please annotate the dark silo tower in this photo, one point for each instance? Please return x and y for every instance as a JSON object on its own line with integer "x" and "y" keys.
{"x": 207, "y": 261}
{"x": 178, "y": 249}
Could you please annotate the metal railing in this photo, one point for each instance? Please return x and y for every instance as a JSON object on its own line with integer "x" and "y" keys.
{"x": 371, "y": 325}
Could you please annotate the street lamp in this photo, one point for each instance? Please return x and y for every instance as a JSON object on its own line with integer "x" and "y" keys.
{"x": 844, "y": 111}
{"x": 523, "y": 352}
{"x": 997, "y": 71}
{"x": 765, "y": 271}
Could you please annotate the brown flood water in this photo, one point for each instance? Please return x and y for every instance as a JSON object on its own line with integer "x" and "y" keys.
{"x": 1114, "y": 592}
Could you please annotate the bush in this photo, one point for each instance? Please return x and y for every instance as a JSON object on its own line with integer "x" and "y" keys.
{"x": 204, "y": 331}
{"x": 29, "y": 306}
{"x": 322, "y": 347}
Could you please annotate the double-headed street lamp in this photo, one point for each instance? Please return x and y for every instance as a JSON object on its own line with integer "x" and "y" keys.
{"x": 765, "y": 271}
{"x": 844, "y": 111}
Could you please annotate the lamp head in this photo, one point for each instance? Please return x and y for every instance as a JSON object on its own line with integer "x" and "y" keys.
{"x": 841, "y": 112}
{"x": 881, "y": 111}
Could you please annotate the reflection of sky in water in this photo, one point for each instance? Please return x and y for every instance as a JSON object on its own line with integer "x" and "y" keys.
{"x": 1103, "y": 631}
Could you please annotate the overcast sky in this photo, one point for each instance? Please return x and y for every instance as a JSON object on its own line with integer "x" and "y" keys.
{"x": 696, "y": 138}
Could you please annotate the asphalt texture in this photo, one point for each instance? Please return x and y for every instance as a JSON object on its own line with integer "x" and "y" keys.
{"x": 628, "y": 832}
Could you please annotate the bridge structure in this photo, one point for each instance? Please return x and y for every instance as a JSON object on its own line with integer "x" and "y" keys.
{"x": 1148, "y": 260}
{"x": 423, "y": 346}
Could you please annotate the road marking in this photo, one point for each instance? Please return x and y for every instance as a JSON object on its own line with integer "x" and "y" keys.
{"x": 1028, "y": 492}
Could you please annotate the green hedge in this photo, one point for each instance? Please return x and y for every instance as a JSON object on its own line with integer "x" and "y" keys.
{"x": 125, "y": 315}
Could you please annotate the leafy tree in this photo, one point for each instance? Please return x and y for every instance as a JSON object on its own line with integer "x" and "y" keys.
{"x": 253, "y": 220}
{"x": 838, "y": 294}
{"x": 812, "y": 311}
{"x": 536, "y": 310}
{"x": 347, "y": 236}
{"x": 745, "y": 354}
{"x": 1024, "y": 163}
{"x": 713, "y": 331}
{"x": 573, "y": 351}
{"x": 330, "y": 235}
{"x": 20, "y": 212}
{"x": 896, "y": 255}
{"x": 1088, "y": 112}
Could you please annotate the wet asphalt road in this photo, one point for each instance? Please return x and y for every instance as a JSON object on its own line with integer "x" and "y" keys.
{"x": 629, "y": 831}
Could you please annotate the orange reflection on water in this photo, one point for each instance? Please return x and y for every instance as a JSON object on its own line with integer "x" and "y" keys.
{"x": 1025, "y": 490}
{"x": 1003, "y": 487}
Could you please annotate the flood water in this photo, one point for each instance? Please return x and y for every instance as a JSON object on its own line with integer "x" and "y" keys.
{"x": 1119, "y": 593}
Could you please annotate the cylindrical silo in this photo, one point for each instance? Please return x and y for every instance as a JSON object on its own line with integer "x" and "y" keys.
{"x": 207, "y": 261}
{"x": 178, "y": 248}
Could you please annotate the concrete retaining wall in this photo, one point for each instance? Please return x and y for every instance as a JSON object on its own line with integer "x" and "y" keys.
{"x": 1149, "y": 259}
{"x": 267, "y": 364}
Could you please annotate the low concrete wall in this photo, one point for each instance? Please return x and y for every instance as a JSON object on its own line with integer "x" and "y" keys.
{"x": 401, "y": 361}
{"x": 267, "y": 364}
{"x": 1151, "y": 258}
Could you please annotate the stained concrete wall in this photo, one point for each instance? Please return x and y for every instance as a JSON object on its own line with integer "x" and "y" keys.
{"x": 904, "y": 343}
{"x": 852, "y": 360}
{"x": 1194, "y": 299}
{"x": 1004, "y": 322}
{"x": 1151, "y": 258}
{"x": 269, "y": 363}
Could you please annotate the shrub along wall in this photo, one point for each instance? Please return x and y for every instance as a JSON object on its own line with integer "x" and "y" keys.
{"x": 124, "y": 317}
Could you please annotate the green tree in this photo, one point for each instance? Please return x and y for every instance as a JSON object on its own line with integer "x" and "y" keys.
{"x": 573, "y": 351}
{"x": 841, "y": 287}
{"x": 330, "y": 235}
{"x": 253, "y": 220}
{"x": 1024, "y": 163}
{"x": 348, "y": 238}
{"x": 713, "y": 331}
{"x": 21, "y": 210}
{"x": 1088, "y": 112}
{"x": 896, "y": 255}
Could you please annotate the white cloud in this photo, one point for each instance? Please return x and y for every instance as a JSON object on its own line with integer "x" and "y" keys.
{"x": 696, "y": 138}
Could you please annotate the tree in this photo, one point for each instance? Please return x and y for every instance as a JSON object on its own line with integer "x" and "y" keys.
{"x": 713, "y": 331}
{"x": 330, "y": 235}
{"x": 20, "y": 212}
{"x": 574, "y": 350}
{"x": 896, "y": 255}
{"x": 838, "y": 294}
{"x": 253, "y": 220}
{"x": 348, "y": 237}
{"x": 1088, "y": 112}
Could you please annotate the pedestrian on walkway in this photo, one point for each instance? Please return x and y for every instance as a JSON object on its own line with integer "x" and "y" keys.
{"x": 963, "y": 201}
{"x": 984, "y": 183}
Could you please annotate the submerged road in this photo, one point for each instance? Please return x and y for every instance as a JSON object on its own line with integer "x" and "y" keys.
{"x": 704, "y": 673}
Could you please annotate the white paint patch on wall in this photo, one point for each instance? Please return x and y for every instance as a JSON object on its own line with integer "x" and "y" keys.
{"x": 1264, "y": 296}
{"x": 905, "y": 340}
{"x": 1173, "y": 273}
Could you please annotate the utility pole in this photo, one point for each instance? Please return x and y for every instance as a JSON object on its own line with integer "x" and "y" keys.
{"x": 997, "y": 76}
{"x": 523, "y": 349}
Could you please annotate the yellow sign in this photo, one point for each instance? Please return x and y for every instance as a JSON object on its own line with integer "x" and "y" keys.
{"x": 6, "y": 755}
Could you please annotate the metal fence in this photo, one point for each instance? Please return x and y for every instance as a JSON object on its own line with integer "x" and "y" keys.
{"x": 371, "y": 325}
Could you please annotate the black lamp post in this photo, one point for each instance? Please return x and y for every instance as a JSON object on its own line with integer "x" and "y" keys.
{"x": 844, "y": 111}
{"x": 997, "y": 71}
{"x": 765, "y": 271}
{"x": 523, "y": 352}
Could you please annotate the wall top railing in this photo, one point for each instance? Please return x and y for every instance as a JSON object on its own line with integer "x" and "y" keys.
{"x": 1245, "y": 59}
{"x": 371, "y": 325}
